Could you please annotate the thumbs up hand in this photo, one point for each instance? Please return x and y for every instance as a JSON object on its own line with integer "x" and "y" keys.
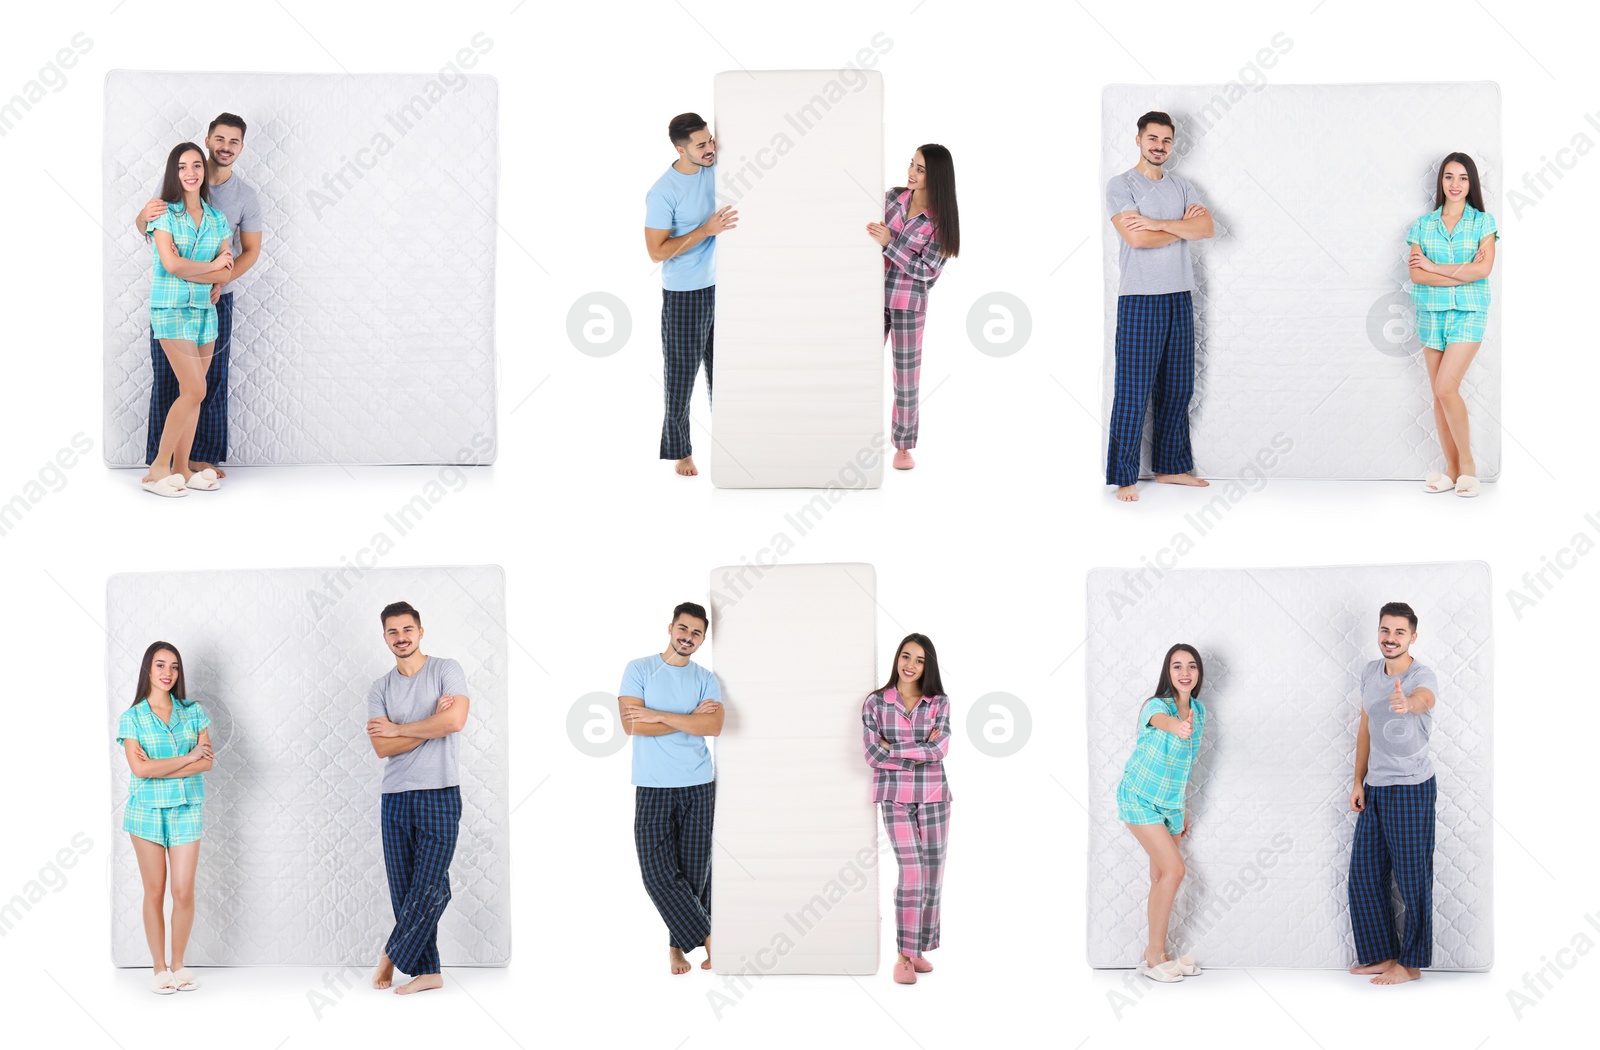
{"x": 1397, "y": 700}
{"x": 1185, "y": 728}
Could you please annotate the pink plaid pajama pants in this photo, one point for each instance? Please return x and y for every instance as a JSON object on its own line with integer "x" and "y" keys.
{"x": 919, "y": 832}
{"x": 903, "y": 329}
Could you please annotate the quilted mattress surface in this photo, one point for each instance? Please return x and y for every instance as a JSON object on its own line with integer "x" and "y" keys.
{"x": 799, "y": 333}
{"x": 1269, "y": 845}
{"x": 1304, "y": 330}
{"x": 291, "y": 870}
{"x": 365, "y": 332}
{"x": 794, "y": 885}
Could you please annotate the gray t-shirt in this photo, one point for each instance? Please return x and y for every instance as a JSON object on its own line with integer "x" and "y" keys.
{"x": 1152, "y": 271}
{"x": 1399, "y": 752}
{"x": 236, "y": 199}
{"x": 432, "y": 764}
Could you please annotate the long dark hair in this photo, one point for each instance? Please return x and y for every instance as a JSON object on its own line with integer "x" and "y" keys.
{"x": 1474, "y": 190}
{"x": 142, "y": 690}
{"x": 1164, "y": 684}
{"x": 942, "y": 197}
{"x": 931, "y": 685}
{"x": 172, "y": 189}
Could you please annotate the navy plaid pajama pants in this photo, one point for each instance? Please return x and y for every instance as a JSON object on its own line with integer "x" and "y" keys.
{"x": 1394, "y": 834}
{"x": 211, "y": 433}
{"x": 686, "y": 324}
{"x": 1155, "y": 366}
{"x": 903, "y": 329}
{"x": 920, "y": 834}
{"x": 672, "y": 832}
{"x": 419, "y": 839}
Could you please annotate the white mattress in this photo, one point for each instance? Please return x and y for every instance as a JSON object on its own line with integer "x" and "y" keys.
{"x": 1269, "y": 851}
{"x": 365, "y": 332}
{"x": 794, "y": 878}
{"x": 291, "y": 871}
{"x": 799, "y": 333}
{"x": 1303, "y": 320}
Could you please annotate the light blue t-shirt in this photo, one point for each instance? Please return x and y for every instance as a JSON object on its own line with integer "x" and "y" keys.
{"x": 672, "y": 759}
{"x": 679, "y": 203}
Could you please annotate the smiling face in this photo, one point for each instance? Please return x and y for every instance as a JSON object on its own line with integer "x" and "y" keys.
{"x": 191, "y": 171}
{"x": 687, "y": 633}
{"x": 917, "y": 173}
{"x": 403, "y": 635}
{"x": 1155, "y": 144}
{"x": 1184, "y": 672}
{"x": 225, "y": 144}
{"x": 164, "y": 670}
{"x": 909, "y": 665}
{"x": 1455, "y": 182}
{"x": 701, "y": 149}
{"x": 1395, "y": 636}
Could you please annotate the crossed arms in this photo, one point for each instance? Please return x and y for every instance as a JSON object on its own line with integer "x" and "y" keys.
{"x": 639, "y": 720}
{"x": 883, "y": 755}
{"x": 221, "y": 270}
{"x": 196, "y": 761}
{"x": 1141, "y": 232}
{"x": 391, "y": 738}
{"x": 1444, "y": 275}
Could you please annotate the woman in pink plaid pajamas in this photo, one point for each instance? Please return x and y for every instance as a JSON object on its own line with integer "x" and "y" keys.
{"x": 920, "y": 230}
{"x": 905, "y": 731}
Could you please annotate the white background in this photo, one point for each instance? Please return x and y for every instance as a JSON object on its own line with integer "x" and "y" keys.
{"x": 984, "y": 546}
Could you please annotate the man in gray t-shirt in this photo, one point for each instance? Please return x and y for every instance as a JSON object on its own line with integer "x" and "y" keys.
{"x": 1157, "y": 214}
{"x": 415, "y": 714}
{"x": 237, "y": 201}
{"x": 1395, "y": 794}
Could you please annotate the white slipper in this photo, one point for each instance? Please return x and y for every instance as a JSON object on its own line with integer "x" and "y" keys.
{"x": 1188, "y": 967}
{"x": 1438, "y": 482}
{"x": 164, "y": 983}
{"x": 1165, "y": 972}
{"x": 171, "y": 485}
{"x": 183, "y": 980}
{"x": 1466, "y": 485}
{"x": 204, "y": 480}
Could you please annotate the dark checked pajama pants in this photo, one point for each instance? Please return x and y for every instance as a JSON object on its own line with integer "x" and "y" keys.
{"x": 1394, "y": 835}
{"x": 211, "y": 434}
{"x": 672, "y": 832}
{"x": 918, "y": 831}
{"x": 419, "y": 839}
{"x": 686, "y": 323}
{"x": 1155, "y": 367}
{"x": 903, "y": 329}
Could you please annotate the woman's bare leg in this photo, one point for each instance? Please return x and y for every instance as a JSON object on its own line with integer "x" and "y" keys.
{"x": 189, "y": 364}
{"x": 153, "y": 874}
{"x": 1166, "y": 871}
{"x": 184, "y": 860}
{"x": 1452, "y": 368}
{"x": 1452, "y": 462}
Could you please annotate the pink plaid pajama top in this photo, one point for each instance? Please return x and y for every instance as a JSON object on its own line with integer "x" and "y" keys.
{"x": 912, "y": 258}
{"x": 909, "y": 769}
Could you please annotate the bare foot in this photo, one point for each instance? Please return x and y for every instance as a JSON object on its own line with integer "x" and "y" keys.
{"x": 707, "y": 964}
{"x": 421, "y": 983}
{"x": 1397, "y": 974}
{"x": 686, "y": 467}
{"x": 383, "y": 976}
{"x": 1377, "y": 967}
{"x": 1128, "y": 493}
{"x": 209, "y": 466}
{"x": 679, "y": 963}
{"x": 1182, "y": 479}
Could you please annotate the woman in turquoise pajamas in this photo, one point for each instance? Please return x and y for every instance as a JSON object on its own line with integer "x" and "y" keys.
{"x": 167, "y": 739}
{"x": 188, "y": 241}
{"x": 1151, "y": 796}
{"x": 1452, "y": 255}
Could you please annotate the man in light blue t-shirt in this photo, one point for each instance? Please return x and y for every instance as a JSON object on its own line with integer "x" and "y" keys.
{"x": 669, "y": 705}
{"x": 681, "y": 224}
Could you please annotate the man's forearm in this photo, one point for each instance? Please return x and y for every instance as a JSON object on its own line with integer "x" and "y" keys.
{"x": 389, "y": 746}
{"x": 431, "y": 728}
{"x": 673, "y": 246}
{"x": 1196, "y": 229}
{"x": 694, "y": 725}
